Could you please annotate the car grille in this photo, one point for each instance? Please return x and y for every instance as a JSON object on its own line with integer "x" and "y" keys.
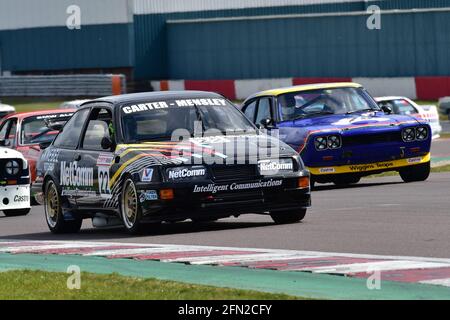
{"x": 239, "y": 196}
{"x": 371, "y": 139}
{"x": 234, "y": 172}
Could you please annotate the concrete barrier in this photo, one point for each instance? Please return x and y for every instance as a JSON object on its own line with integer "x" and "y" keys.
{"x": 422, "y": 88}
{"x": 83, "y": 85}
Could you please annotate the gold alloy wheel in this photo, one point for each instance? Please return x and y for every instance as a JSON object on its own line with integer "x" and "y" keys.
{"x": 51, "y": 205}
{"x": 129, "y": 204}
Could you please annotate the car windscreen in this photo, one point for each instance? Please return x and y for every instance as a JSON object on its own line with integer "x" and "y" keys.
{"x": 36, "y": 129}
{"x": 304, "y": 104}
{"x": 158, "y": 120}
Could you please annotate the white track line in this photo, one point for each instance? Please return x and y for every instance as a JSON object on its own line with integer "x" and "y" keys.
{"x": 375, "y": 266}
{"x": 50, "y": 247}
{"x": 439, "y": 282}
{"x": 241, "y": 258}
{"x": 144, "y": 251}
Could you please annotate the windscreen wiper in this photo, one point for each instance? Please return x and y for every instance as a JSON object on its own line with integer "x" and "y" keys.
{"x": 362, "y": 110}
{"x": 313, "y": 114}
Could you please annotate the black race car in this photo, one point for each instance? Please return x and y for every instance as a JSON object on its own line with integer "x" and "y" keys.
{"x": 147, "y": 158}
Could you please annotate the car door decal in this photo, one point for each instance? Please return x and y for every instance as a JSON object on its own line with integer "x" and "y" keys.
{"x": 104, "y": 161}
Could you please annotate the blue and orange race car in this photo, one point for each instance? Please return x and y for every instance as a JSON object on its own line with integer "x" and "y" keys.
{"x": 341, "y": 132}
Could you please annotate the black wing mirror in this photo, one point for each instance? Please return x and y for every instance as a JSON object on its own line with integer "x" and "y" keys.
{"x": 107, "y": 144}
{"x": 267, "y": 123}
{"x": 57, "y": 126}
{"x": 4, "y": 143}
{"x": 44, "y": 145}
{"x": 386, "y": 109}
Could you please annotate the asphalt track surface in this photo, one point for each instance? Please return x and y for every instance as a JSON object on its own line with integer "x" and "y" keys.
{"x": 376, "y": 216}
{"x": 441, "y": 148}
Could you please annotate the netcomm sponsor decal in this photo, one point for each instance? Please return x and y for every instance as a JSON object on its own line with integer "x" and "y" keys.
{"x": 213, "y": 188}
{"x": 275, "y": 166}
{"x": 186, "y": 173}
{"x": 74, "y": 176}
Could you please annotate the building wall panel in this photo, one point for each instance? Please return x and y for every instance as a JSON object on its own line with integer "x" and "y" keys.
{"x": 151, "y": 28}
{"x": 408, "y": 44}
{"x": 57, "y": 48}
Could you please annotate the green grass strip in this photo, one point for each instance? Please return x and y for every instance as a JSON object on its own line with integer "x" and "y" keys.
{"x": 40, "y": 285}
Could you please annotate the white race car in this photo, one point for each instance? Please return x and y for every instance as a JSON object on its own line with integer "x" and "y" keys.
{"x": 74, "y": 104}
{"x": 405, "y": 106}
{"x": 14, "y": 183}
{"x": 6, "y": 109}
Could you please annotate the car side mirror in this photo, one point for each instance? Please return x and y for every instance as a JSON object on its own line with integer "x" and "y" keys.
{"x": 267, "y": 123}
{"x": 56, "y": 126}
{"x": 106, "y": 143}
{"x": 4, "y": 143}
{"x": 386, "y": 109}
{"x": 44, "y": 145}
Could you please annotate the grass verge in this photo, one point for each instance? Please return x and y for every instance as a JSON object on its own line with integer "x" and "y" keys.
{"x": 32, "y": 104}
{"x": 441, "y": 169}
{"x": 445, "y": 168}
{"x": 39, "y": 285}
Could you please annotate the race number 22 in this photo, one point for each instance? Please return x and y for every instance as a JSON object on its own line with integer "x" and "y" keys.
{"x": 103, "y": 182}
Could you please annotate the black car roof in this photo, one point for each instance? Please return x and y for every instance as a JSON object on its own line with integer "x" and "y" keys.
{"x": 157, "y": 95}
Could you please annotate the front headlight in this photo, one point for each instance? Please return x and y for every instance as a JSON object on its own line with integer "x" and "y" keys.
{"x": 321, "y": 143}
{"x": 328, "y": 142}
{"x": 334, "y": 142}
{"x": 409, "y": 134}
{"x": 421, "y": 133}
{"x": 12, "y": 167}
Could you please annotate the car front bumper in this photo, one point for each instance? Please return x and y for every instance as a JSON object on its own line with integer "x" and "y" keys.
{"x": 369, "y": 168}
{"x": 188, "y": 204}
{"x": 15, "y": 197}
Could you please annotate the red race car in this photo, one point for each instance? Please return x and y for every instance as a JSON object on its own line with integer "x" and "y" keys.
{"x": 25, "y": 132}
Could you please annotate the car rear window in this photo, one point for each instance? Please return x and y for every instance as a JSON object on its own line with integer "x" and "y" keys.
{"x": 35, "y": 129}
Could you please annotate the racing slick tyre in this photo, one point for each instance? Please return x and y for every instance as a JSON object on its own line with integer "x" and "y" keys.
{"x": 130, "y": 208}
{"x": 290, "y": 216}
{"x": 34, "y": 202}
{"x": 346, "y": 180}
{"x": 312, "y": 182}
{"x": 54, "y": 212}
{"x": 16, "y": 213}
{"x": 420, "y": 172}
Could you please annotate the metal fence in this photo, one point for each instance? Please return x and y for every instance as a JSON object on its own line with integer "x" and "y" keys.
{"x": 62, "y": 85}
